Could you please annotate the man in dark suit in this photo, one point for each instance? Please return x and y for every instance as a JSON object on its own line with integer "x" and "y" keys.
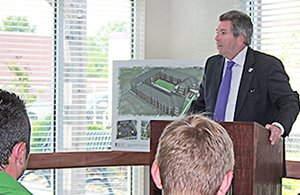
{"x": 259, "y": 87}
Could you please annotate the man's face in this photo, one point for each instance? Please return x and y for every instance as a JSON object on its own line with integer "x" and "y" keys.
{"x": 227, "y": 45}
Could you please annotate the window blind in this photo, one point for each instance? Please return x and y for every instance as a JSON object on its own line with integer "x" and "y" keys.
{"x": 57, "y": 55}
{"x": 277, "y": 31}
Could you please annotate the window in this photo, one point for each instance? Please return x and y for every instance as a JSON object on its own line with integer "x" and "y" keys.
{"x": 58, "y": 56}
{"x": 277, "y": 32}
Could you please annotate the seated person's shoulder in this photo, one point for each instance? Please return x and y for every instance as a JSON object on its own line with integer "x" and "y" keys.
{"x": 10, "y": 186}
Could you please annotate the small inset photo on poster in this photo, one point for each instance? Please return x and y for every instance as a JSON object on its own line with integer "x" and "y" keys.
{"x": 145, "y": 129}
{"x": 126, "y": 130}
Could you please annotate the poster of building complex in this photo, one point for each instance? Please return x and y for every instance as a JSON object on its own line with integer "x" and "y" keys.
{"x": 145, "y": 90}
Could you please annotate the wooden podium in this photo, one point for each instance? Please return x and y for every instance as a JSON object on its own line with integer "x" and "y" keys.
{"x": 258, "y": 164}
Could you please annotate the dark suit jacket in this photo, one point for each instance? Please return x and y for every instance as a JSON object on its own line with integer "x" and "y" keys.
{"x": 264, "y": 96}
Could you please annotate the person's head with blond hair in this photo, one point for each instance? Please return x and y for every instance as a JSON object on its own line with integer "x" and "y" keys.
{"x": 194, "y": 156}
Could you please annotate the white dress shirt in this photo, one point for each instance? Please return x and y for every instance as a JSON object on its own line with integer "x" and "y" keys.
{"x": 237, "y": 71}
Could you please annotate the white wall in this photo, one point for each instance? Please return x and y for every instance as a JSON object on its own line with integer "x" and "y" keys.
{"x": 183, "y": 29}
{"x": 157, "y": 29}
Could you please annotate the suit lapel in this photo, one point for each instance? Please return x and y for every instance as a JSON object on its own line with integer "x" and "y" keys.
{"x": 247, "y": 76}
{"x": 218, "y": 73}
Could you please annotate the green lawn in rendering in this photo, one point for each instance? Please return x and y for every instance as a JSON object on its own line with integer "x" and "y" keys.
{"x": 165, "y": 84}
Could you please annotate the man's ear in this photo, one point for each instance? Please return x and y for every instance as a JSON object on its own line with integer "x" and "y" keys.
{"x": 156, "y": 175}
{"x": 19, "y": 151}
{"x": 241, "y": 39}
{"x": 225, "y": 183}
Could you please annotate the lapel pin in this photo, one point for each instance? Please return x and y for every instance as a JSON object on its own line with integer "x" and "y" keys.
{"x": 250, "y": 69}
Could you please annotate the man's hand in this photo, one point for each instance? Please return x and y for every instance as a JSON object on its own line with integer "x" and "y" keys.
{"x": 275, "y": 133}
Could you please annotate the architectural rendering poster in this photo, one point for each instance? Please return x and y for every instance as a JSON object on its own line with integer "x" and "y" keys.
{"x": 145, "y": 90}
